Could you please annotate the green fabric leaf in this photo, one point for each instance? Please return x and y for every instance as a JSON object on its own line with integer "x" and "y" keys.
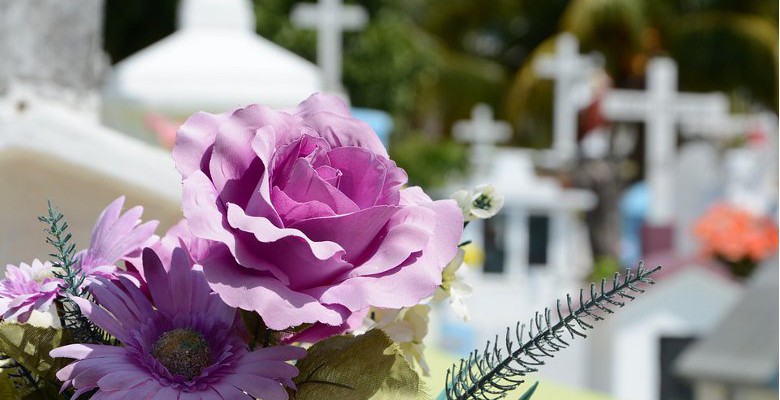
{"x": 369, "y": 366}
{"x": 7, "y": 390}
{"x": 15, "y": 388}
{"x": 30, "y": 346}
{"x": 530, "y": 392}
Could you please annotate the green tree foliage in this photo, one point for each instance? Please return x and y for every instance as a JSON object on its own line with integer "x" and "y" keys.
{"x": 427, "y": 62}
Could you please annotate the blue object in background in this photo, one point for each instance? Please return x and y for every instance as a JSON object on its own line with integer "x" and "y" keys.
{"x": 455, "y": 335}
{"x": 380, "y": 121}
{"x": 633, "y": 212}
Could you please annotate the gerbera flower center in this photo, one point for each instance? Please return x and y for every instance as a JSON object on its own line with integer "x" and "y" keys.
{"x": 183, "y": 352}
{"x": 40, "y": 277}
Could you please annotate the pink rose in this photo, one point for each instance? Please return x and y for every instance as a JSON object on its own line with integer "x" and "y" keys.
{"x": 307, "y": 216}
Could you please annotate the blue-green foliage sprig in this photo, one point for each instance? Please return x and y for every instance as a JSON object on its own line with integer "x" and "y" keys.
{"x": 67, "y": 267}
{"x": 500, "y": 368}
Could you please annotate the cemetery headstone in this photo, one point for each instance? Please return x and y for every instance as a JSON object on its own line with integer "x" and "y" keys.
{"x": 51, "y": 144}
{"x": 698, "y": 177}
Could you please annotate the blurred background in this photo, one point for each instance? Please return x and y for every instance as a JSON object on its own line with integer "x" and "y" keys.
{"x": 617, "y": 131}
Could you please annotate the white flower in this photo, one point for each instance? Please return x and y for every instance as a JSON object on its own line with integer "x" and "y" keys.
{"x": 482, "y": 202}
{"x": 407, "y": 327}
{"x": 452, "y": 287}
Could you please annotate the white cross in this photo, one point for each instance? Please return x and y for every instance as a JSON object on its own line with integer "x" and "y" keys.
{"x": 571, "y": 73}
{"x": 483, "y": 132}
{"x": 661, "y": 108}
{"x": 329, "y": 18}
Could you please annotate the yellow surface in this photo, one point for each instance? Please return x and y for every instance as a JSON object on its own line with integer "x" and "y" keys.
{"x": 439, "y": 361}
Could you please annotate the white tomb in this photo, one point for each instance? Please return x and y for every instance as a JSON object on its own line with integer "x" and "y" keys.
{"x": 213, "y": 62}
{"x": 573, "y": 74}
{"x": 49, "y": 151}
{"x": 625, "y": 349}
{"x": 329, "y": 18}
{"x": 661, "y": 108}
{"x": 523, "y": 286}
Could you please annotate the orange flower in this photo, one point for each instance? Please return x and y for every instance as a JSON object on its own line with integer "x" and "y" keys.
{"x": 734, "y": 234}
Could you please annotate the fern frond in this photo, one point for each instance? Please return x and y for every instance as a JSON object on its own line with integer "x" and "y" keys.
{"x": 500, "y": 368}
{"x": 67, "y": 267}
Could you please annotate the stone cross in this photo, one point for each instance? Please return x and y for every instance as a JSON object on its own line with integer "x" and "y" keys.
{"x": 661, "y": 108}
{"x": 483, "y": 132}
{"x": 571, "y": 72}
{"x": 329, "y": 18}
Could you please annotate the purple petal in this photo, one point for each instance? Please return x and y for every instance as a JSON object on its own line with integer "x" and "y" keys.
{"x": 408, "y": 232}
{"x": 232, "y": 153}
{"x": 305, "y": 185}
{"x": 329, "y": 116}
{"x": 102, "y": 319}
{"x": 257, "y": 386}
{"x": 228, "y": 392}
{"x": 285, "y": 252}
{"x": 80, "y": 351}
{"x": 365, "y": 178}
{"x": 122, "y": 380}
{"x": 355, "y": 232}
{"x": 193, "y": 139}
{"x": 181, "y": 282}
{"x": 199, "y": 203}
{"x": 407, "y": 284}
{"x": 265, "y": 232}
{"x": 158, "y": 282}
{"x": 114, "y": 238}
{"x": 292, "y": 211}
{"x": 128, "y": 314}
{"x": 279, "y": 306}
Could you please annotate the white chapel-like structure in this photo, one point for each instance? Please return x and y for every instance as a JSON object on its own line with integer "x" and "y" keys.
{"x": 214, "y": 62}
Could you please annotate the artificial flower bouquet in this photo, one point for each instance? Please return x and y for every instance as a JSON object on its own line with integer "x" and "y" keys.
{"x": 304, "y": 268}
{"x": 738, "y": 238}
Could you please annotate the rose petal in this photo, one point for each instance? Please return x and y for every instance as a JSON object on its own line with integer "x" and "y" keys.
{"x": 355, "y": 232}
{"x": 280, "y": 307}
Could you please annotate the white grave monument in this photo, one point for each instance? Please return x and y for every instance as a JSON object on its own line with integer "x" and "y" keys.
{"x": 661, "y": 108}
{"x": 625, "y": 349}
{"x": 330, "y": 18}
{"x": 51, "y": 144}
{"x": 573, "y": 75}
{"x": 751, "y": 172}
{"x": 483, "y": 132}
{"x": 522, "y": 286}
{"x": 214, "y": 62}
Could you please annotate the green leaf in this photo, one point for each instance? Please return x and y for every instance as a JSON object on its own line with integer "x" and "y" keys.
{"x": 530, "y": 392}
{"x": 369, "y": 366}
{"x": 30, "y": 346}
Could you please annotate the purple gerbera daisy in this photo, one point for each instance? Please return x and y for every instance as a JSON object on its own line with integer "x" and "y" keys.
{"x": 27, "y": 288}
{"x": 184, "y": 344}
{"x": 115, "y": 237}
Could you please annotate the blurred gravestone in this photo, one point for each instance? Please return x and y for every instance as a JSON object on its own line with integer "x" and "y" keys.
{"x": 53, "y": 46}
{"x": 697, "y": 185}
{"x": 51, "y": 144}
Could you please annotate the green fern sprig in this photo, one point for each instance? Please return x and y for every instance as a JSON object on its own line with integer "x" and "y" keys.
{"x": 498, "y": 369}
{"x": 68, "y": 269}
